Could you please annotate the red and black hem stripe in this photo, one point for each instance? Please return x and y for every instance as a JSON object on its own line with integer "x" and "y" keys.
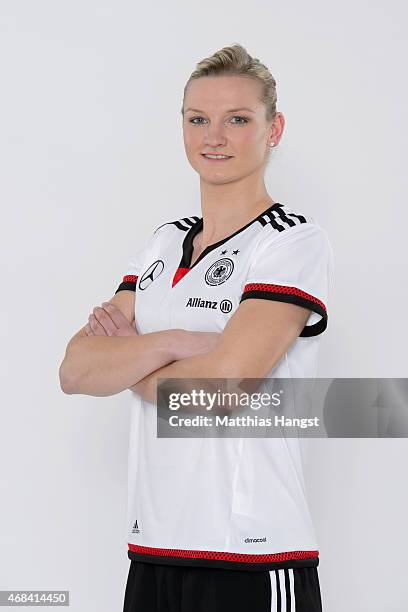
{"x": 224, "y": 560}
{"x": 128, "y": 282}
{"x": 292, "y": 295}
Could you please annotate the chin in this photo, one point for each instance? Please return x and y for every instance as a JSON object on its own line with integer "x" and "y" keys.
{"x": 217, "y": 179}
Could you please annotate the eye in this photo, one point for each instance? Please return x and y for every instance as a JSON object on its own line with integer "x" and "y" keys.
{"x": 192, "y": 120}
{"x": 244, "y": 120}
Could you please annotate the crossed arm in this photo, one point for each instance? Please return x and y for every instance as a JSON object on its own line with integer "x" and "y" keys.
{"x": 253, "y": 342}
{"x": 107, "y": 355}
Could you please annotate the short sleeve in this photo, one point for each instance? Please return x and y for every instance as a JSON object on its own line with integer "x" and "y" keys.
{"x": 295, "y": 267}
{"x": 135, "y": 265}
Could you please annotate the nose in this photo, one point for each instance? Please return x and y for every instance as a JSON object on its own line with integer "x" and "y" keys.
{"x": 214, "y": 135}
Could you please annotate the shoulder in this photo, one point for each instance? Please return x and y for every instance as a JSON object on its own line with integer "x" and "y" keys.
{"x": 169, "y": 230}
{"x": 283, "y": 223}
{"x": 177, "y": 225}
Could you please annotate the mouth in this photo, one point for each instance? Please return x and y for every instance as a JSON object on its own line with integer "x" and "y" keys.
{"x": 216, "y": 159}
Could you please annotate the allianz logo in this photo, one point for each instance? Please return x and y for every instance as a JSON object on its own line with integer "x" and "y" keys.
{"x": 196, "y": 302}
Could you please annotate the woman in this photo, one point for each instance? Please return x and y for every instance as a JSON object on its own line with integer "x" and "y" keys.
{"x": 216, "y": 524}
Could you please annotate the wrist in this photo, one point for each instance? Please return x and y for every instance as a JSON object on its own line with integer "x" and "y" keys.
{"x": 175, "y": 343}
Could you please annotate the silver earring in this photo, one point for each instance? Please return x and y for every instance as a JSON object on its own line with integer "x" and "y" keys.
{"x": 272, "y": 144}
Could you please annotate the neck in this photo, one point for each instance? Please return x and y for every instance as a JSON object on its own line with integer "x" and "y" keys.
{"x": 228, "y": 207}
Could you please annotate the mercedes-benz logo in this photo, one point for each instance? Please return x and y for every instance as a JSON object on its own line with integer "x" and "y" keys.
{"x": 152, "y": 272}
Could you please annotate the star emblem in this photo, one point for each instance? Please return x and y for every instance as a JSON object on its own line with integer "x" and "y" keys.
{"x": 223, "y": 252}
{"x": 235, "y": 252}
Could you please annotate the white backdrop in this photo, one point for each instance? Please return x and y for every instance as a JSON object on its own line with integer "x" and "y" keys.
{"x": 92, "y": 159}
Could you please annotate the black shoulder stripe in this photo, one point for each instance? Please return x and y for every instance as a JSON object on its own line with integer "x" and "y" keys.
{"x": 281, "y": 220}
{"x": 301, "y": 218}
{"x": 183, "y": 224}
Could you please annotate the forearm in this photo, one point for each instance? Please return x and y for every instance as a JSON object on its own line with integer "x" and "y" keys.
{"x": 106, "y": 365}
{"x": 198, "y": 366}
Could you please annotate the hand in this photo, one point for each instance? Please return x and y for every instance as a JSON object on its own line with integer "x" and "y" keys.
{"x": 109, "y": 320}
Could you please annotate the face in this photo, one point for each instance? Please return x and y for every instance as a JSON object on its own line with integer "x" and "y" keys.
{"x": 223, "y": 115}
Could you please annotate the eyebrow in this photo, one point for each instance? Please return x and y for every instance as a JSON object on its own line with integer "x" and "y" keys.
{"x": 232, "y": 110}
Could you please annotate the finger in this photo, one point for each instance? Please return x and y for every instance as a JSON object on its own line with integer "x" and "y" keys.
{"x": 88, "y": 330}
{"x": 96, "y": 327}
{"x": 116, "y": 315}
{"x": 105, "y": 320}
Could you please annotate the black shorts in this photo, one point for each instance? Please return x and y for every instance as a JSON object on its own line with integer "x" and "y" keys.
{"x": 152, "y": 587}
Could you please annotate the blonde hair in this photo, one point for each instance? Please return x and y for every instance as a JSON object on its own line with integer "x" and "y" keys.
{"x": 235, "y": 60}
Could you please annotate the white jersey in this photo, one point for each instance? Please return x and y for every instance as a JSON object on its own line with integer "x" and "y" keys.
{"x": 235, "y": 503}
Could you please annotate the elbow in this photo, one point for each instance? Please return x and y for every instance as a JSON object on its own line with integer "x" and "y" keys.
{"x": 71, "y": 369}
{"x": 66, "y": 378}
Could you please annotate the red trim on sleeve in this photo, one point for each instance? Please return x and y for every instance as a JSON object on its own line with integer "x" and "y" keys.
{"x": 283, "y": 289}
{"x": 130, "y": 278}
